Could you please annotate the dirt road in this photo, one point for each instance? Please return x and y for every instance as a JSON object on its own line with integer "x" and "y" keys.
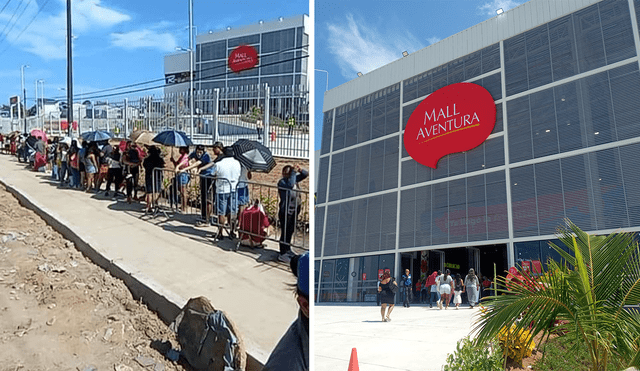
{"x": 59, "y": 311}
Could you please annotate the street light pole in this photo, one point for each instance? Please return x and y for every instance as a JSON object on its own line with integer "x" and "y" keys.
{"x": 69, "y": 72}
{"x": 37, "y": 110}
{"x": 191, "y": 95}
{"x": 327, "y": 72}
{"x": 24, "y": 92}
{"x": 43, "y": 104}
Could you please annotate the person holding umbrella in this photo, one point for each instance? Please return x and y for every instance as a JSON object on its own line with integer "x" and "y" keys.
{"x": 289, "y": 207}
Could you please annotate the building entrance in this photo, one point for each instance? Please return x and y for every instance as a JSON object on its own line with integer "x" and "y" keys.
{"x": 480, "y": 258}
{"x": 457, "y": 260}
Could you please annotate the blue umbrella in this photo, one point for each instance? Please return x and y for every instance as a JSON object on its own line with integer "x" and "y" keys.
{"x": 173, "y": 138}
{"x": 97, "y": 136}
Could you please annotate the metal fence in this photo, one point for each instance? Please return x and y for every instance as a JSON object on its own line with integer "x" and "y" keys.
{"x": 183, "y": 193}
{"x": 276, "y": 116}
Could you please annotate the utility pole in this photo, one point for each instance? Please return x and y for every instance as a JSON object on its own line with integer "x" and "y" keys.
{"x": 37, "y": 110}
{"x": 69, "y": 73}
{"x": 191, "y": 95}
{"x": 24, "y": 92}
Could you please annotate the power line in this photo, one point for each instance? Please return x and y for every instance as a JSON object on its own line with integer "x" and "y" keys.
{"x": 165, "y": 85}
{"x": 29, "y": 24}
{"x": 15, "y": 12}
{"x": 200, "y": 71}
{"x": 17, "y": 19}
{"x": 5, "y": 5}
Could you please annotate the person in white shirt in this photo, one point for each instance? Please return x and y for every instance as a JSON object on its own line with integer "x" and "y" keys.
{"x": 227, "y": 172}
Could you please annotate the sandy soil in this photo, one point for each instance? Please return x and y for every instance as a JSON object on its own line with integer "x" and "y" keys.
{"x": 59, "y": 311}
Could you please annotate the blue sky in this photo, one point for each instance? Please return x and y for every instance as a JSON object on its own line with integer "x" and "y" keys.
{"x": 118, "y": 42}
{"x": 359, "y": 36}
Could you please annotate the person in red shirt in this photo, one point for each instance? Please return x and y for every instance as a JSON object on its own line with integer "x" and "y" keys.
{"x": 431, "y": 283}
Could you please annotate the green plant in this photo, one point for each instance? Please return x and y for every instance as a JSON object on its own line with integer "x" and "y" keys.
{"x": 270, "y": 204}
{"x": 562, "y": 354}
{"x": 588, "y": 292}
{"x": 470, "y": 356}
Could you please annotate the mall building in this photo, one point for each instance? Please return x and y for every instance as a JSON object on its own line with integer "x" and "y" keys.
{"x": 566, "y": 144}
{"x": 282, "y": 46}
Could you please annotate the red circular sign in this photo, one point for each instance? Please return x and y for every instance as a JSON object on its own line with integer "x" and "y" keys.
{"x": 456, "y": 118}
{"x": 243, "y": 58}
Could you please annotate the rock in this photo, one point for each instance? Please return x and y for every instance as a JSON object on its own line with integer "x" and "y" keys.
{"x": 10, "y": 236}
{"x": 123, "y": 368}
{"x": 51, "y": 321}
{"x": 73, "y": 263}
{"x": 88, "y": 368}
{"x": 113, "y": 318}
{"x": 145, "y": 361}
{"x": 107, "y": 334}
{"x": 158, "y": 367}
{"x": 44, "y": 267}
{"x": 173, "y": 355}
{"x": 60, "y": 269}
{"x": 51, "y": 306}
{"x": 130, "y": 306}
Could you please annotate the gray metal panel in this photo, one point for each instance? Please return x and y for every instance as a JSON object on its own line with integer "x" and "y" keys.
{"x": 178, "y": 62}
{"x": 289, "y": 22}
{"x": 508, "y": 24}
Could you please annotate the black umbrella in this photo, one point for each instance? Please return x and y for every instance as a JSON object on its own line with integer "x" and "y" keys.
{"x": 173, "y": 138}
{"x": 97, "y": 136}
{"x": 253, "y": 155}
{"x": 31, "y": 141}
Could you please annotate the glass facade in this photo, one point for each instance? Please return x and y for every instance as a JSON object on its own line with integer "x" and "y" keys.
{"x": 282, "y": 60}
{"x": 566, "y": 147}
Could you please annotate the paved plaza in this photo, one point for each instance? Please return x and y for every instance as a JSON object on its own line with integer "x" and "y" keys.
{"x": 417, "y": 339}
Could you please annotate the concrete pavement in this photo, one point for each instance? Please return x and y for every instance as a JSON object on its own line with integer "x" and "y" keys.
{"x": 166, "y": 261}
{"x": 417, "y": 338}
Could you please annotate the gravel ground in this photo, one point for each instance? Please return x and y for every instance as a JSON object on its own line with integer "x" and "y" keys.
{"x": 59, "y": 311}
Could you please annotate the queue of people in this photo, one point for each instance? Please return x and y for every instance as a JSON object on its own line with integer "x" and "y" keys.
{"x": 224, "y": 190}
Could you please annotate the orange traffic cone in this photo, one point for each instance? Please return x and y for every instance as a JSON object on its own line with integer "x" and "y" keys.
{"x": 353, "y": 362}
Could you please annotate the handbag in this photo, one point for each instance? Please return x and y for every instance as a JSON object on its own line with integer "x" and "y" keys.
{"x": 393, "y": 286}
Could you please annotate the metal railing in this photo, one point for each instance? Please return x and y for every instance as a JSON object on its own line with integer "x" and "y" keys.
{"x": 180, "y": 192}
{"x": 277, "y": 116}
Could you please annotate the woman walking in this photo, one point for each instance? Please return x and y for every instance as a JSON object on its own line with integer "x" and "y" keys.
{"x": 472, "y": 286}
{"x": 458, "y": 290}
{"x": 445, "y": 289}
{"x": 387, "y": 290}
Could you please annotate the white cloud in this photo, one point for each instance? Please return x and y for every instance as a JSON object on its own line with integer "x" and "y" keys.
{"x": 490, "y": 7}
{"x": 144, "y": 38}
{"x": 433, "y": 40}
{"x": 359, "y": 48}
{"x": 46, "y": 36}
